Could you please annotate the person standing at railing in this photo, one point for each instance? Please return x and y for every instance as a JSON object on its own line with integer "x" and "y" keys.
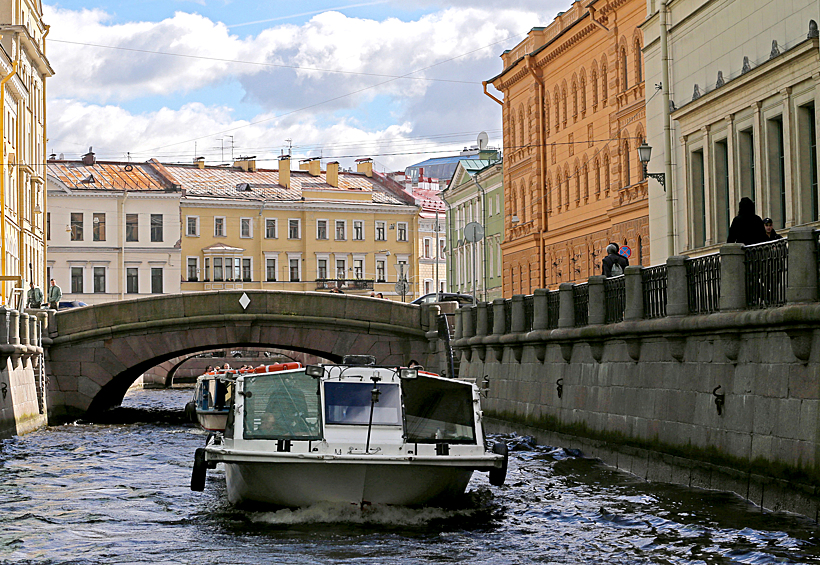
{"x": 614, "y": 263}
{"x": 34, "y": 298}
{"x": 747, "y": 227}
{"x": 54, "y": 295}
{"x": 771, "y": 235}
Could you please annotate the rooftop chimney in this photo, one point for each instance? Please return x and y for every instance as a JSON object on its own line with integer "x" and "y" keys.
{"x": 333, "y": 173}
{"x": 200, "y": 162}
{"x": 365, "y": 166}
{"x": 88, "y": 158}
{"x": 247, "y": 164}
{"x": 315, "y": 167}
{"x": 284, "y": 171}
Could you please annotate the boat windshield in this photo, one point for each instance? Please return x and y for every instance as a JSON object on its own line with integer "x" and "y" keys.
{"x": 281, "y": 406}
{"x": 438, "y": 411}
{"x": 349, "y": 403}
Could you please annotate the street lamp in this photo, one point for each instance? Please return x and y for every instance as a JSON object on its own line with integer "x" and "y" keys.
{"x": 644, "y": 154}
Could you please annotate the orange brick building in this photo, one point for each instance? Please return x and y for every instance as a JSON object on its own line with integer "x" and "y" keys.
{"x": 574, "y": 115}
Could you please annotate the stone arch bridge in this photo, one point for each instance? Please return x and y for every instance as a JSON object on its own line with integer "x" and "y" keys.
{"x": 97, "y": 352}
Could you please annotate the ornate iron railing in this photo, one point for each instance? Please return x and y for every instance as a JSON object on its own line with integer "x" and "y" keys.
{"x": 653, "y": 282}
{"x": 767, "y": 269}
{"x": 614, "y": 299}
{"x": 703, "y": 280}
{"x": 344, "y": 284}
{"x": 580, "y": 299}
{"x": 553, "y": 308}
{"x": 508, "y": 316}
{"x": 528, "y": 312}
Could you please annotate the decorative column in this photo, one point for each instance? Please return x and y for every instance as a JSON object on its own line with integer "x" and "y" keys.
{"x": 732, "y": 277}
{"x": 677, "y": 287}
{"x": 597, "y": 309}
{"x": 566, "y": 306}
{"x": 634, "y": 293}
{"x": 24, "y": 337}
{"x": 14, "y": 327}
{"x": 802, "y": 284}
{"x": 4, "y": 325}
{"x": 540, "y": 309}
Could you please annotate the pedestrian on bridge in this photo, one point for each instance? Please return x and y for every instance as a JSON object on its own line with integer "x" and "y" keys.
{"x": 614, "y": 263}
{"x": 747, "y": 227}
{"x": 771, "y": 235}
{"x": 54, "y": 295}
{"x": 34, "y": 298}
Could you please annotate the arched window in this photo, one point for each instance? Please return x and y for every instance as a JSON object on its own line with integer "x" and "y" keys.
{"x": 583, "y": 93}
{"x": 556, "y": 99}
{"x": 624, "y": 72}
{"x": 597, "y": 179}
{"x": 603, "y": 83}
{"x": 625, "y": 163}
{"x": 594, "y": 88}
{"x": 558, "y": 189}
{"x": 638, "y": 63}
{"x": 525, "y": 197}
{"x": 511, "y": 130}
{"x": 575, "y": 100}
{"x": 577, "y": 185}
{"x": 606, "y": 175}
{"x": 549, "y": 194}
{"x": 564, "y": 104}
{"x": 566, "y": 187}
{"x": 586, "y": 180}
{"x": 547, "y": 114}
{"x": 521, "y": 138}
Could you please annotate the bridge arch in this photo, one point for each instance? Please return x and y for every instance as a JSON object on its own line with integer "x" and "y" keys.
{"x": 97, "y": 352}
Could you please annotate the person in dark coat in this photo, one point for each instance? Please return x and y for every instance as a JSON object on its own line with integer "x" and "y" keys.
{"x": 771, "y": 235}
{"x": 747, "y": 227}
{"x": 612, "y": 259}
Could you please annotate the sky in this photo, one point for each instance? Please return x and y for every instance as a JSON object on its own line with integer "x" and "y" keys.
{"x": 396, "y": 81}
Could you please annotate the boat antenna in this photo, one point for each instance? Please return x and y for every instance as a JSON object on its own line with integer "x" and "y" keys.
{"x": 374, "y": 398}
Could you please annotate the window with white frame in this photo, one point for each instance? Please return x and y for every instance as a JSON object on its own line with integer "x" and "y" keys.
{"x": 270, "y": 228}
{"x": 77, "y": 280}
{"x": 428, "y": 286}
{"x": 219, "y": 226}
{"x": 206, "y": 271}
{"x": 132, "y": 280}
{"x": 358, "y": 230}
{"x": 321, "y": 229}
{"x": 193, "y": 269}
{"x": 341, "y": 230}
{"x": 294, "y": 268}
{"x": 270, "y": 269}
{"x": 341, "y": 269}
{"x": 192, "y": 226}
{"x": 294, "y": 229}
{"x": 428, "y": 243}
{"x": 442, "y": 247}
{"x": 218, "y": 273}
{"x": 99, "y": 280}
{"x": 401, "y": 231}
{"x": 321, "y": 268}
{"x": 358, "y": 268}
{"x": 381, "y": 233}
{"x": 245, "y": 229}
{"x": 156, "y": 280}
{"x": 247, "y": 269}
{"x": 381, "y": 270}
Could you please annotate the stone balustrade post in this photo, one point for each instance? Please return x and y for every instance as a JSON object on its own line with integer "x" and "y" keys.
{"x": 481, "y": 319}
{"x": 4, "y": 325}
{"x": 14, "y": 327}
{"x": 499, "y": 322}
{"x": 597, "y": 308}
{"x": 32, "y": 330}
{"x": 677, "y": 287}
{"x": 468, "y": 321}
{"x": 459, "y": 329}
{"x": 566, "y": 306}
{"x": 24, "y": 337}
{"x": 540, "y": 309}
{"x": 732, "y": 277}
{"x": 634, "y": 293}
{"x": 518, "y": 314}
{"x": 802, "y": 283}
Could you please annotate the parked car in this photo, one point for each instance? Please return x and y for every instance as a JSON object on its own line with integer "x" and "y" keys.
{"x": 444, "y": 297}
{"x": 71, "y": 304}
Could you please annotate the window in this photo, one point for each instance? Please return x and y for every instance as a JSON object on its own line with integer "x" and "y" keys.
{"x": 270, "y": 228}
{"x": 746, "y": 141}
{"x": 777, "y": 171}
{"x": 624, "y": 72}
{"x": 217, "y": 269}
{"x": 358, "y": 268}
{"x": 442, "y": 246}
{"x": 206, "y": 272}
{"x": 321, "y": 229}
{"x": 358, "y": 230}
{"x": 245, "y": 227}
{"x": 156, "y": 228}
{"x": 270, "y": 270}
{"x": 625, "y": 180}
{"x": 219, "y": 226}
{"x": 76, "y": 226}
{"x": 401, "y": 233}
{"x": 698, "y": 199}
{"x": 427, "y": 246}
{"x": 237, "y": 269}
{"x": 156, "y": 280}
{"x": 380, "y": 232}
{"x": 48, "y": 226}
{"x": 321, "y": 269}
{"x": 293, "y": 229}
{"x": 282, "y": 407}
{"x": 132, "y": 227}
{"x": 192, "y": 226}
{"x": 381, "y": 270}
{"x": 246, "y": 269}
{"x": 99, "y": 279}
{"x": 294, "y": 270}
{"x": 340, "y": 269}
{"x": 76, "y": 280}
{"x": 722, "y": 189}
{"x": 193, "y": 268}
{"x": 341, "y": 226}
{"x": 98, "y": 229}
{"x": 807, "y": 171}
{"x": 132, "y": 280}
{"x": 350, "y": 403}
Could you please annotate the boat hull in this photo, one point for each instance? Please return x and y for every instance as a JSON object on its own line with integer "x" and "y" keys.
{"x": 304, "y": 484}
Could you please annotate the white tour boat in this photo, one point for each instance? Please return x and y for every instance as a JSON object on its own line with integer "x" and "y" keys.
{"x": 357, "y": 433}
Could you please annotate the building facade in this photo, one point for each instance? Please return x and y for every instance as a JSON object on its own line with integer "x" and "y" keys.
{"x": 113, "y": 229}
{"x": 573, "y": 117}
{"x": 432, "y": 240}
{"x": 24, "y": 70}
{"x": 307, "y": 229}
{"x": 476, "y": 194}
{"x": 742, "y": 118}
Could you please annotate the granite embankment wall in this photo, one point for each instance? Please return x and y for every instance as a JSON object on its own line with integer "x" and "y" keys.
{"x": 21, "y": 387}
{"x": 728, "y": 399}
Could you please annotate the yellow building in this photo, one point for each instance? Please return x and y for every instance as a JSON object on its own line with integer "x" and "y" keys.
{"x": 23, "y": 72}
{"x": 309, "y": 230}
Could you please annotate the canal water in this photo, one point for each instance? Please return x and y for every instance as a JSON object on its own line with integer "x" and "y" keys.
{"x": 117, "y": 491}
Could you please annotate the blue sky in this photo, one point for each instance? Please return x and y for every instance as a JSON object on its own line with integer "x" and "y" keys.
{"x": 175, "y": 79}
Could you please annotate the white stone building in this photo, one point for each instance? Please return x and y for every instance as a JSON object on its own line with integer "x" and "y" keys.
{"x": 113, "y": 230}
{"x": 744, "y": 78}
